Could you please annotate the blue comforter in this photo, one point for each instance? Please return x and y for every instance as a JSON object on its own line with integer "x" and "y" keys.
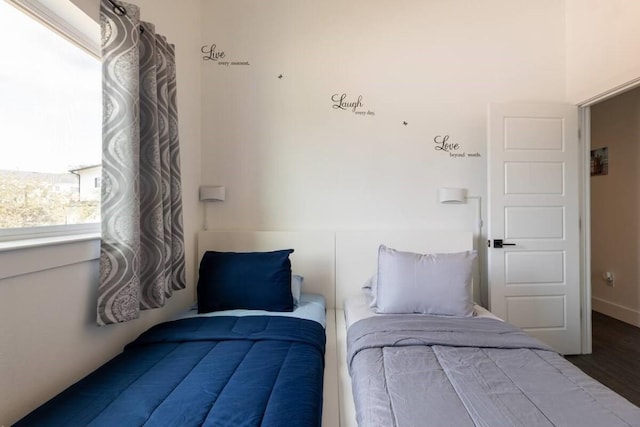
{"x": 218, "y": 371}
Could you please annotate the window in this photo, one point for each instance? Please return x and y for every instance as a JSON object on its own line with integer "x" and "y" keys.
{"x": 50, "y": 118}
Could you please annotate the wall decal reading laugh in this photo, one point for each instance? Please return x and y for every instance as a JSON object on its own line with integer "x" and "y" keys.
{"x": 211, "y": 53}
{"x": 442, "y": 143}
{"x": 342, "y": 102}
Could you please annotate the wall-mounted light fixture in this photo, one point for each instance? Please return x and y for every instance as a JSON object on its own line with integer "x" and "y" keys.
{"x": 211, "y": 193}
{"x": 459, "y": 195}
{"x": 448, "y": 195}
{"x": 452, "y": 195}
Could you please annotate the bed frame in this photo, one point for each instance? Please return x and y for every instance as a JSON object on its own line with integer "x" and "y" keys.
{"x": 356, "y": 261}
{"x": 335, "y": 264}
{"x": 313, "y": 258}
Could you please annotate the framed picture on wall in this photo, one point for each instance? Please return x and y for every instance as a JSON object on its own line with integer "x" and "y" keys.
{"x": 600, "y": 161}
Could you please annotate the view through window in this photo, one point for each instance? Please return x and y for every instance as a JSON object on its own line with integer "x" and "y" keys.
{"x": 50, "y": 126}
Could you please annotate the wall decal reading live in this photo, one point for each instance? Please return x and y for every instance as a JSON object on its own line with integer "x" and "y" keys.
{"x": 442, "y": 143}
{"x": 211, "y": 53}
{"x": 341, "y": 102}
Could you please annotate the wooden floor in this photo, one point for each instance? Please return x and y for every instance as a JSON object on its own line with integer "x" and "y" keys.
{"x": 615, "y": 360}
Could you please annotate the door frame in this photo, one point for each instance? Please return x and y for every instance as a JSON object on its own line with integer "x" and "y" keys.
{"x": 584, "y": 150}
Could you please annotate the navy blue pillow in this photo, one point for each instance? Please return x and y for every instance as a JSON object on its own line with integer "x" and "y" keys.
{"x": 247, "y": 280}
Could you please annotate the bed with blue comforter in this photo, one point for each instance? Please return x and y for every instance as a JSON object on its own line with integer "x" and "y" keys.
{"x": 202, "y": 371}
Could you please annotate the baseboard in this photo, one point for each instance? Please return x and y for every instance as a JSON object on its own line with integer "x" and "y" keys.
{"x": 622, "y": 313}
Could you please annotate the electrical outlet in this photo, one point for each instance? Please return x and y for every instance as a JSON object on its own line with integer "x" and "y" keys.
{"x": 608, "y": 278}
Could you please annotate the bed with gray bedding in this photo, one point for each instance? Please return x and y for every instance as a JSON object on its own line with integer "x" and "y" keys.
{"x": 422, "y": 370}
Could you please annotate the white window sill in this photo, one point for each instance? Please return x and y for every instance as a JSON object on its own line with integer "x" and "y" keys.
{"x": 46, "y": 241}
{"x": 26, "y": 256}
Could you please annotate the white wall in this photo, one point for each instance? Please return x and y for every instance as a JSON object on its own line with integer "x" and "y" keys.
{"x": 291, "y": 161}
{"x": 603, "y": 41}
{"x": 48, "y": 335}
{"x": 615, "y": 208}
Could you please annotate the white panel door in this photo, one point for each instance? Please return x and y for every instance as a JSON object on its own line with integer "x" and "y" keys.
{"x": 534, "y": 279}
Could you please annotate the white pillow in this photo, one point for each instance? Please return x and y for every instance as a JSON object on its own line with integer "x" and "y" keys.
{"x": 370, "y": 289}
{"x": 296, "y": 288}
{"x": 424, "y": 283}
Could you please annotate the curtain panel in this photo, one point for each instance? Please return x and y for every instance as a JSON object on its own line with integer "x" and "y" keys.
{"x": 142, "y": 248}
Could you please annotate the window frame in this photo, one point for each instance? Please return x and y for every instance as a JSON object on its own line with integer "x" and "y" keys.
{"x": 70, "y": 22}
{"x": 65, "y": 18}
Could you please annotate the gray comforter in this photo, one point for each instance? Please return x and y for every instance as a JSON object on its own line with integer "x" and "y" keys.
{"x": 420, "y": 371}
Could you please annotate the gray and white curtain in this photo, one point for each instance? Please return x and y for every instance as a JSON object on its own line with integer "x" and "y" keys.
{"x": 142, "y": 249}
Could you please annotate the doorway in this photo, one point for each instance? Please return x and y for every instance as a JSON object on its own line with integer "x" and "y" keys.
{"x": 611, "y": 206}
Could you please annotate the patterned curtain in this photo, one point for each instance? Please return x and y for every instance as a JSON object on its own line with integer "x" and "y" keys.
{"x": 142, "y": 249}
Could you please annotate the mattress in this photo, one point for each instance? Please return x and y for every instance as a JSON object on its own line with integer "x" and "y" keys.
{"x": 311, "y": 307}
{"x": 219, "y": 370}
{"x": 356, "y": 308}
{"x": 409, "y": 370}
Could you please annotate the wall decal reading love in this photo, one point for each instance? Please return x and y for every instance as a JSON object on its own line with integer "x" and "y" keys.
{"x": 443, "y": 143}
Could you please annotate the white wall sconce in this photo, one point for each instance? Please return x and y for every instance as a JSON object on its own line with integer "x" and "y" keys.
{"x": 449, "y": 195}
{"x": 452, "y": 195}
{"x": 211, "y": 193}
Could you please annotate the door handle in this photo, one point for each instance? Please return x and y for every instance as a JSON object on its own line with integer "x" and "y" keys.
{"x": 498, "y": 243}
